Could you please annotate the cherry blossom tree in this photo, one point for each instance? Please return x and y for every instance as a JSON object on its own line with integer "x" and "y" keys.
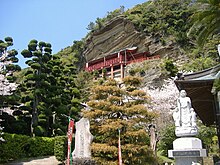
{"x": 164, "y": 101}
{"x": 7, "y": 67}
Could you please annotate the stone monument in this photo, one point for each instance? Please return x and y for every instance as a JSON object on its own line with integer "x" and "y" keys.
{"x": 187, "y": 149}
{"x": 83, "y": 139}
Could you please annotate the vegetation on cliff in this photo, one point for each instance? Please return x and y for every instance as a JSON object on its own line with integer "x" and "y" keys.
{"x": 170, "y": 23}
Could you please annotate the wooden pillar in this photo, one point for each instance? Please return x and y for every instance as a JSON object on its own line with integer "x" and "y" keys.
{"x": 125, "y": 57}
{"x": 122, "y": 71}
{"x": 112, "y": 72}
{"x": 87, "y": 66}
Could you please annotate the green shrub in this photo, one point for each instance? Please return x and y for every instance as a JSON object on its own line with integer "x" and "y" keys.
{"x": 199, "y": 64}
{"x": 169, "y": 67}
{"x": 166, "y": 141}
{"x": 40, "y": 146}
{"x": 13, "y": 148}
{"x": 22, "y": 146}
{"x": 132, "y": 72}
{"x": 60, "y": 148}
{"x": 39, "y": 131}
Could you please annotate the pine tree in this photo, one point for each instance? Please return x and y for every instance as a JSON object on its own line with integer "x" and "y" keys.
{"x": 123, "y": 106}
{"x": 49, "y": 90}
{"x": 66, "y": 96}
{"x": 35, "y": 86}
{"x": 65, "y": 66}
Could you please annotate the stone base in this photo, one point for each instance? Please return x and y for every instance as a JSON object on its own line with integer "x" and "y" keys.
{"x": 186, "y": 131}
{"x": 83, "y": 161}
{"x": 187, "y": 151}
{"x": 185, "y": 143}
{"x": 188, "y": 161}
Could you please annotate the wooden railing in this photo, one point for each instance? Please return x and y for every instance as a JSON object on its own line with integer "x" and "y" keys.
{"x": 144, "y": 59}
{"x": 116, "y": 61}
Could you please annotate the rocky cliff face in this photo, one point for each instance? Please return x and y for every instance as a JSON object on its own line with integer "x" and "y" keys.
{"x": 119, "y": 34}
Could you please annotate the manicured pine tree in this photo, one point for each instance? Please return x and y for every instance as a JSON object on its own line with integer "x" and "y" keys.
{"x": 49, "y": 90}
{"x": 35, "y": 86}
{"x": 66, "y": 96}
{"x": 123, "y": 106}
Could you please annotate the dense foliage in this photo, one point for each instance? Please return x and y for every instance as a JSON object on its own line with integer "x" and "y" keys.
{"x": 21, "y": 146}
{"x": 171, "y": 21}
{"x": 162, "y": 18}
{"x": 46, "y": 91}
{"x": 60, "y": 148}
{"x": 35, "y": 85}
{"x": 114, "y": 106}
{"x": 177, "y": 23}
{"x": 206, "y": 20}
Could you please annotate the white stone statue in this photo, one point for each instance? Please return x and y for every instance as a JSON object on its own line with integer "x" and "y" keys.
{"x": 184, "y": 116}
{"x": 83, "y": 139}
{"x": 193, "y": 118}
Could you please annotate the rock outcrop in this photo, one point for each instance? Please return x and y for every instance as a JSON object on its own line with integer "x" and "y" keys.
{"x": 119, "y": 34}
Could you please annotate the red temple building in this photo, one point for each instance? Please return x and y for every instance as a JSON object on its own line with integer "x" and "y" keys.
{"x": 116, "y": 62}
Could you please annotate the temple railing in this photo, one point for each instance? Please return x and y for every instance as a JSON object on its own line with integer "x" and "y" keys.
{"x": 117, "y": 61}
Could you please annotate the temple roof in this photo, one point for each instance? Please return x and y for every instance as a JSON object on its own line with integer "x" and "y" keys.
{"x": 199, "y": 87}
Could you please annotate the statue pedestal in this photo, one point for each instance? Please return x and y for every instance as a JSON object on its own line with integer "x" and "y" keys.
{"x": 186, "y": 131}
{"x": 187, "y": 151}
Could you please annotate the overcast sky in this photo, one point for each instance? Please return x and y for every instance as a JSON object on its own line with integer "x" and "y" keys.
{"x": 58, "y": 22}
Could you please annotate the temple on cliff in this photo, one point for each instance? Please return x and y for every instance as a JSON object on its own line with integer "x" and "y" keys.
{"x": 115, "y": 63}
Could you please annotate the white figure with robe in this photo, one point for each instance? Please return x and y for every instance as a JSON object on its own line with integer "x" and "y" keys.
{"x": 184, "y": 106}
{"x": 193, "y": 118}
{"x": 184, "y": 115}
{"x": 176, "y": 117}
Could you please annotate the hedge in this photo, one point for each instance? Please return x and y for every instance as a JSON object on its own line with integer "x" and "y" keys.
{"x": 60, "y": 148}
{"x": 22, "y": 146}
